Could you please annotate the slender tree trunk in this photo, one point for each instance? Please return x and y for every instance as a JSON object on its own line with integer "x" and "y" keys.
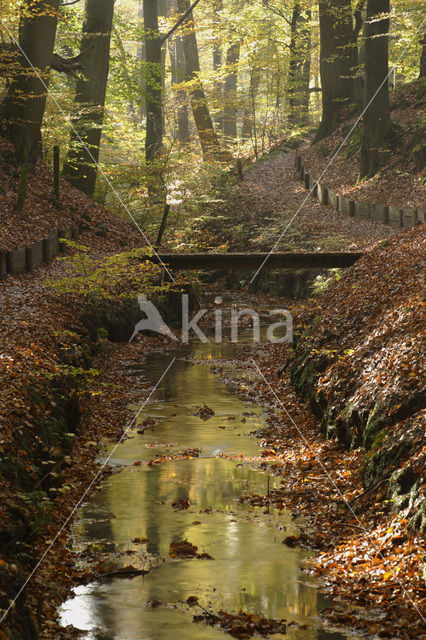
{"x": 122, "y": 52}
{"x": 171, "y": 48}
{"x": 218, "y": 87}
{"x": 250, "y": 112}
{"x": 376, "y": 124}
{"x": 336, "y": 61}
{"x": 300, "y": 65}
{"x": 217, "y": 63}
{"x": 24, "y": 105}
{"x": 182, "y": 114}
{"x": 163, "y": 11}
{"x": 140, "y": 54}
{"x": 361, "y": 15}
{"x": 207, "y": 135}
{"x": 358, "y": 51}
{"x": 80, "y": 168}
{"x": 177, "y": 62}
{"x": 153, "y": 86}
{"x": 230, "y": 91}
{"x": 422, "y": 71}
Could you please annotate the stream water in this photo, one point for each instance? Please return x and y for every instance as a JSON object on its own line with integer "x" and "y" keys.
{"x": 251, "y": 569}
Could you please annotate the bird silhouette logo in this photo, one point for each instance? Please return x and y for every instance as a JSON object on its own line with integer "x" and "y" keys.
{"x": 153, "y": 320}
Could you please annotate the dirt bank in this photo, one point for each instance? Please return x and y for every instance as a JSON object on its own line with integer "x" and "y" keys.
{"x": 360, "y": 364}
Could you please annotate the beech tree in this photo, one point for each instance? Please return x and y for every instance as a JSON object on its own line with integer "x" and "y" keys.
{"x": 422, "y": 70}
{"x": 240, "y": 68}
{"x": 24, "y": 106}
{"x": 376, "y": 125}
{"x": 248, "y": 129}
{"x": 230, "y": 91}
{"x": 203, "y": 121}
{"x": 80, "y": 168}
{"x": 153, "y": 81}
{"x": 299, "y": 65}
{"x": 217, "y": 7}
{"x": 338, "y": 57}
{"x": 178, "y": 77}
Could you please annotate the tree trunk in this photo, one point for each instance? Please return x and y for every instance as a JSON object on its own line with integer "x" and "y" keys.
{"x": 153, "y": 82}
{"x": 207, "y": 135}
{"x": 300, "y": 65}
{"x": 359, "y": 50}
{"x": 177, "y": 63}
{"x": 182, "y": 114}
{"x": 23, "y": 108}
{"x": 337, "y": 54}
{"x": 163, "y": 10}
{"x": 376, "y": 124}
{"x": 122, "y": 52}
{"x": 140, "y": 55}
{"x": 218, "y": 87}
{"x": 217, "y": 63}
{"x": 230, "y": 91}
{"x": 81, "y": 165}
{"x": 250, "y": 112}
{"x": 422, "y": 73}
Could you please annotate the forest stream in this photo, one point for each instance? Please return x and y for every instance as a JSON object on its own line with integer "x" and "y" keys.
{"x": 142, "y": 508}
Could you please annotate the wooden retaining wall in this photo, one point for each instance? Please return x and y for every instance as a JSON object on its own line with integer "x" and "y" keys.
{"x": 395, "y": 216}
{"x": 26, "y": 259}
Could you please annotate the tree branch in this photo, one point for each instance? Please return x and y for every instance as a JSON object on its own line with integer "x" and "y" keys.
{"x": 278, "y": 12}
{"x": 58, "y": 63}
{"x": 179, "y": 22}
{"x": 358, "y": 18}
{"x": 69, "y": 65}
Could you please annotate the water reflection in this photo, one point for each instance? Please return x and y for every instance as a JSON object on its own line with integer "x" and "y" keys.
{"x": 251, "y": 570}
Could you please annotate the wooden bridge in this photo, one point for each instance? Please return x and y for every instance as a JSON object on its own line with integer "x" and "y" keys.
{"x": 252, "y": 261}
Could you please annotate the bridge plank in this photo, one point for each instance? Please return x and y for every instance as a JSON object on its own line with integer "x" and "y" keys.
{"x": 252, "y": 261}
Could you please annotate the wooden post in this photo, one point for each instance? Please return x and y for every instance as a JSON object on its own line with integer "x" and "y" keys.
{"x": 306, "y": 179}
{"x": 240, "y": 170}
{"x": 22, "y": 189}
{"x": 3, "y": 267}
{"x": 162, "y": 225}
{"x": 56, "y": 187}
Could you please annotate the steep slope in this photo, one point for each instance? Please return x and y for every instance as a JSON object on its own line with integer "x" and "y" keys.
{"x": 361, "y": 366}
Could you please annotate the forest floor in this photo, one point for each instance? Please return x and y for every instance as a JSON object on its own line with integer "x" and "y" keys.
{"x": 272, "y": 208}
{"x": 38, "y": 327}
{"x": 400, "y": 182}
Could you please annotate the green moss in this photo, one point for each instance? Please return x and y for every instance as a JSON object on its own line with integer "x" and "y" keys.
{"x": 378, "y": 440}
{"x": 379, "y": 463}
{"x": 372, "y": 433}
{"x": 304, "y": 376}
{"x": 348, "y": 426}
{"x": 354, "y": 142}
{"x": 330, "y": 430}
